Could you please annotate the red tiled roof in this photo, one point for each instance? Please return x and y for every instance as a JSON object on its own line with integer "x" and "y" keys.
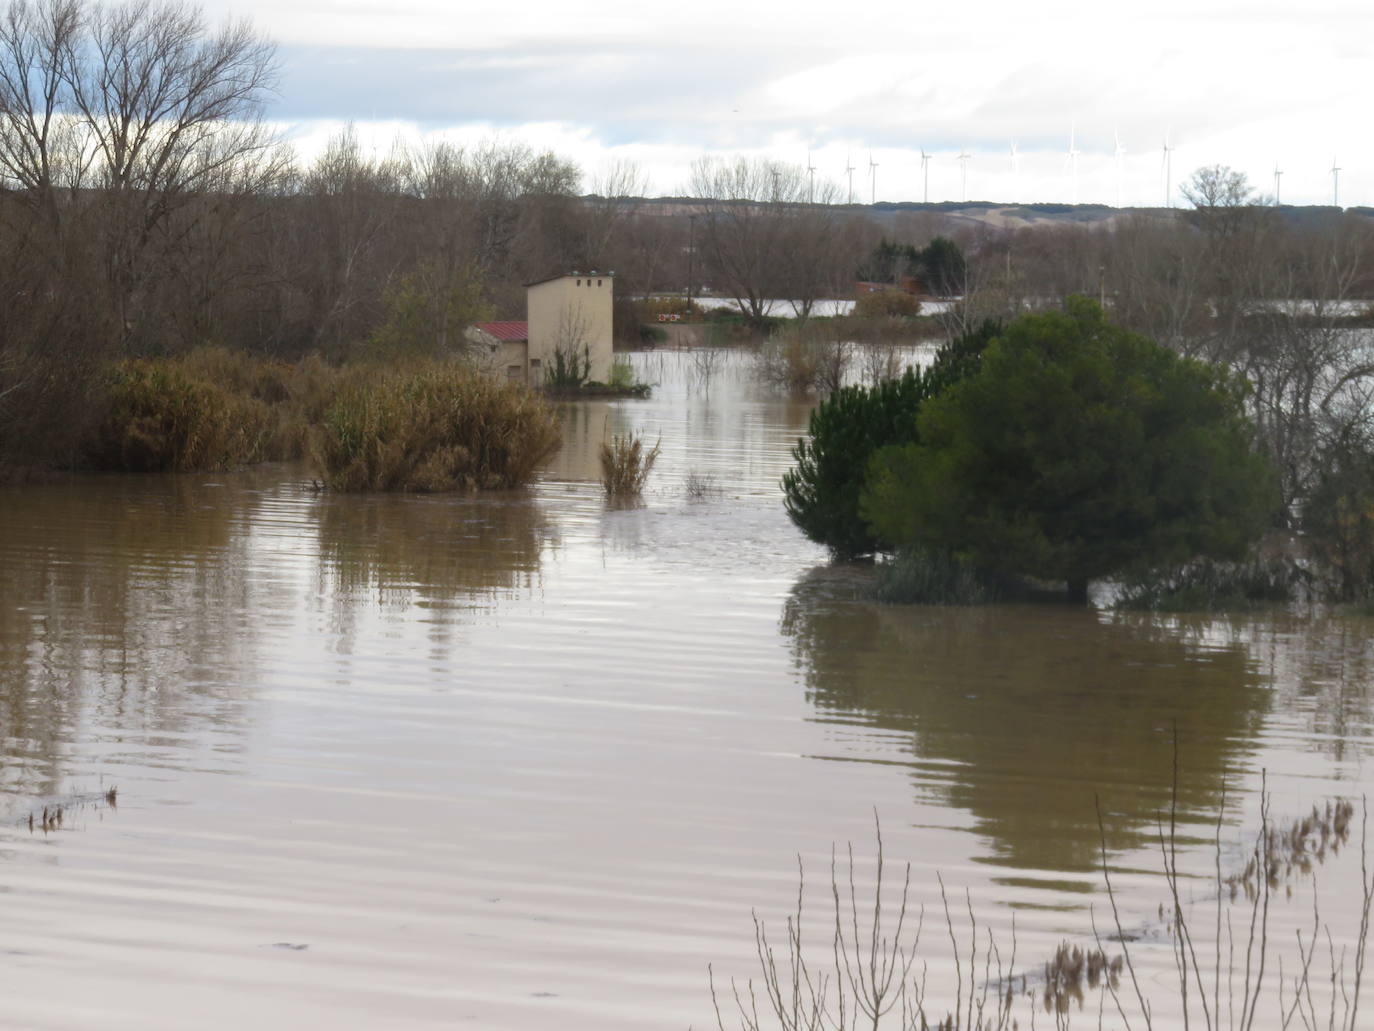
{"x": 506, "y": 330}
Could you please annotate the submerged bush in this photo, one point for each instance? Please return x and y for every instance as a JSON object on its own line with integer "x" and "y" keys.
{"x": 167, "y": 415}
{"x": 626, "y": 464}
{"x": 431, "y": 426}
{"x": 297, "y": 393}
{"x": 804, "y": 358}
{"x": 886, "y": 304}
{"x": 1338, "y": 518}
{"x": 1207, "y": 586}
{"x": 209, "y": 409}
{"x": 933, "y": 578}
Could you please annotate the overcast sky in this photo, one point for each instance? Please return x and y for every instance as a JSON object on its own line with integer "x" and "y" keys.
{"x": 1253, "y": 85}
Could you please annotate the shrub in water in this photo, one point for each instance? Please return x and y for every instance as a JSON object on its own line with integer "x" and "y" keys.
{"x": 886, "y": 304}
{"x": 921, "y": 577}
{"x": 1207, "y": 586}
{"x": 168, "y": 415}
{"x": 431, "y": 426}
{"x": 626, "y": 464}
{"x": 847, "y": 429}
{"x": 297, "y": 394}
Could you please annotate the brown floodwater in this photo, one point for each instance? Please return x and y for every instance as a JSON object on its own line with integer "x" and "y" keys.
{"x": 529, "y": 760}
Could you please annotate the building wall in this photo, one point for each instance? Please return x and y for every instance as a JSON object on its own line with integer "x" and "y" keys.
{"x": 568, "y": 314}
{"x": 506, "y": 359}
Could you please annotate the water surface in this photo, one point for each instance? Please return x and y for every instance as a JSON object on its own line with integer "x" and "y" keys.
{"x": 529, "y": 760}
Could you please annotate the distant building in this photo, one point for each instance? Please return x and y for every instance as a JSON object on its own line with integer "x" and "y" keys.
{"x": 503, "y": 347}
{"x": 568, "y": 315}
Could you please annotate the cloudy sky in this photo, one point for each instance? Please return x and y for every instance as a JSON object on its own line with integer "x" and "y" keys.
{"x": 1248, "y": 83}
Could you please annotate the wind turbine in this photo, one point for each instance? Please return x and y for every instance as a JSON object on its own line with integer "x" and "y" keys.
{"x": 964, "y": 157}
{"x": 1278, "y": 175}
{"x": 925, "y": 175}
{"x": 872, "y": 179}
{"x": 1119, "y": 153}
{"x": 849, "y": 171}
{"x": 1015, "y": 173}
{"x": 1071, "y": 159}
{"x": 1168, "y": 166}
{"x": 810, "y": 178}
{"x": 1335, "y": 184}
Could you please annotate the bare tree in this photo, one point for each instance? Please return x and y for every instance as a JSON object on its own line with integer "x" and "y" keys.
{"x": 762, "y": 237}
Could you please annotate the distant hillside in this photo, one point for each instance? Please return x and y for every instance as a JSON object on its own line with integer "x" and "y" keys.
{"x": 893, "y": 215}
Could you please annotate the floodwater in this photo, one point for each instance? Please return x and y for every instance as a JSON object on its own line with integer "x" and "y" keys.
{"x": 529, "y": 760}
{"x": 824, "y": 306}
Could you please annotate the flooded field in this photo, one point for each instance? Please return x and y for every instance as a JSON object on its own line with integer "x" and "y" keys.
{"x": 529, "y": 761}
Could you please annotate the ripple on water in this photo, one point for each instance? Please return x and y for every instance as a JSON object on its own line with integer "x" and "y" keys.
{"x": 529, "y": 760}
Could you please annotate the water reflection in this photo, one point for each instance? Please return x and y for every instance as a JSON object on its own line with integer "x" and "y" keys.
{"x": 113, "y": 609}
{"x": 446, "y": 552}
{"x": 585, "y": 425}
{"x": 1020, "y": 715}
{"x": 1320, "y": 665}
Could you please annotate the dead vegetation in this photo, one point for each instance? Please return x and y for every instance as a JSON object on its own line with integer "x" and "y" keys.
{"x": 52, "y": 817}
{"x": 431, "y": 426}
{"x": 1294, "y": 848}
{"x": 874, "y": 973}
{"x": 626, "y": 464}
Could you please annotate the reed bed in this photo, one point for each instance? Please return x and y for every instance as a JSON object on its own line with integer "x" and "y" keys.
{"x": 626, "y": 464}
{"x": 431, "y": 426}
{"x": 207, "y": 410}
{"x": 164, "y": 415}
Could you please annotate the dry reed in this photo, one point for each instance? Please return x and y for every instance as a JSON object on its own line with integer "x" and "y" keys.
{"x": 431, "y": 426}
{"x": 626, "y": 464}
{"x": 162, "y": 415}
{"x": 209, "y": 409}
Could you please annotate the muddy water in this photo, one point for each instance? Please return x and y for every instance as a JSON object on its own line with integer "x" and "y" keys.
{"x": 529, "y": 760}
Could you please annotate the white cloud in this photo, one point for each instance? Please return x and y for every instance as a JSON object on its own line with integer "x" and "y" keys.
{"x": 1238, "y": 82}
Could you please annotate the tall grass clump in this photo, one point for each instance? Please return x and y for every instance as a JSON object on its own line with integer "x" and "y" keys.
{"x": 431, "y": 426}
{"x": 626, "y": 464}
{"x": 168, "y": 414}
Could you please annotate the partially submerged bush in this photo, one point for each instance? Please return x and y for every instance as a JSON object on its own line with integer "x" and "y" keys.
{"x": 822, "y": 492}
{"x": 804, "y": 358}
{"x": 933, "y": 578}
{"x": 1209, "y": 586}
{"x": 168, "y": 415}
{"x": 431, "y": 426}
{"x": 211, "y": 408}
{"x": 569, "y": 370}
{"x": 1338, "y": 518}
{"x": 886, "y": 304}
{"x": 626, "y": 464}
{"x": 296, "y": 392}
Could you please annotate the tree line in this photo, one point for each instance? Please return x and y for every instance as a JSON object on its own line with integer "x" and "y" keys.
{"x": 145, "y": 209}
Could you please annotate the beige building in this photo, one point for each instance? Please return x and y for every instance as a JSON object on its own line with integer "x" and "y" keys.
{"x": 568, "y": 315}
